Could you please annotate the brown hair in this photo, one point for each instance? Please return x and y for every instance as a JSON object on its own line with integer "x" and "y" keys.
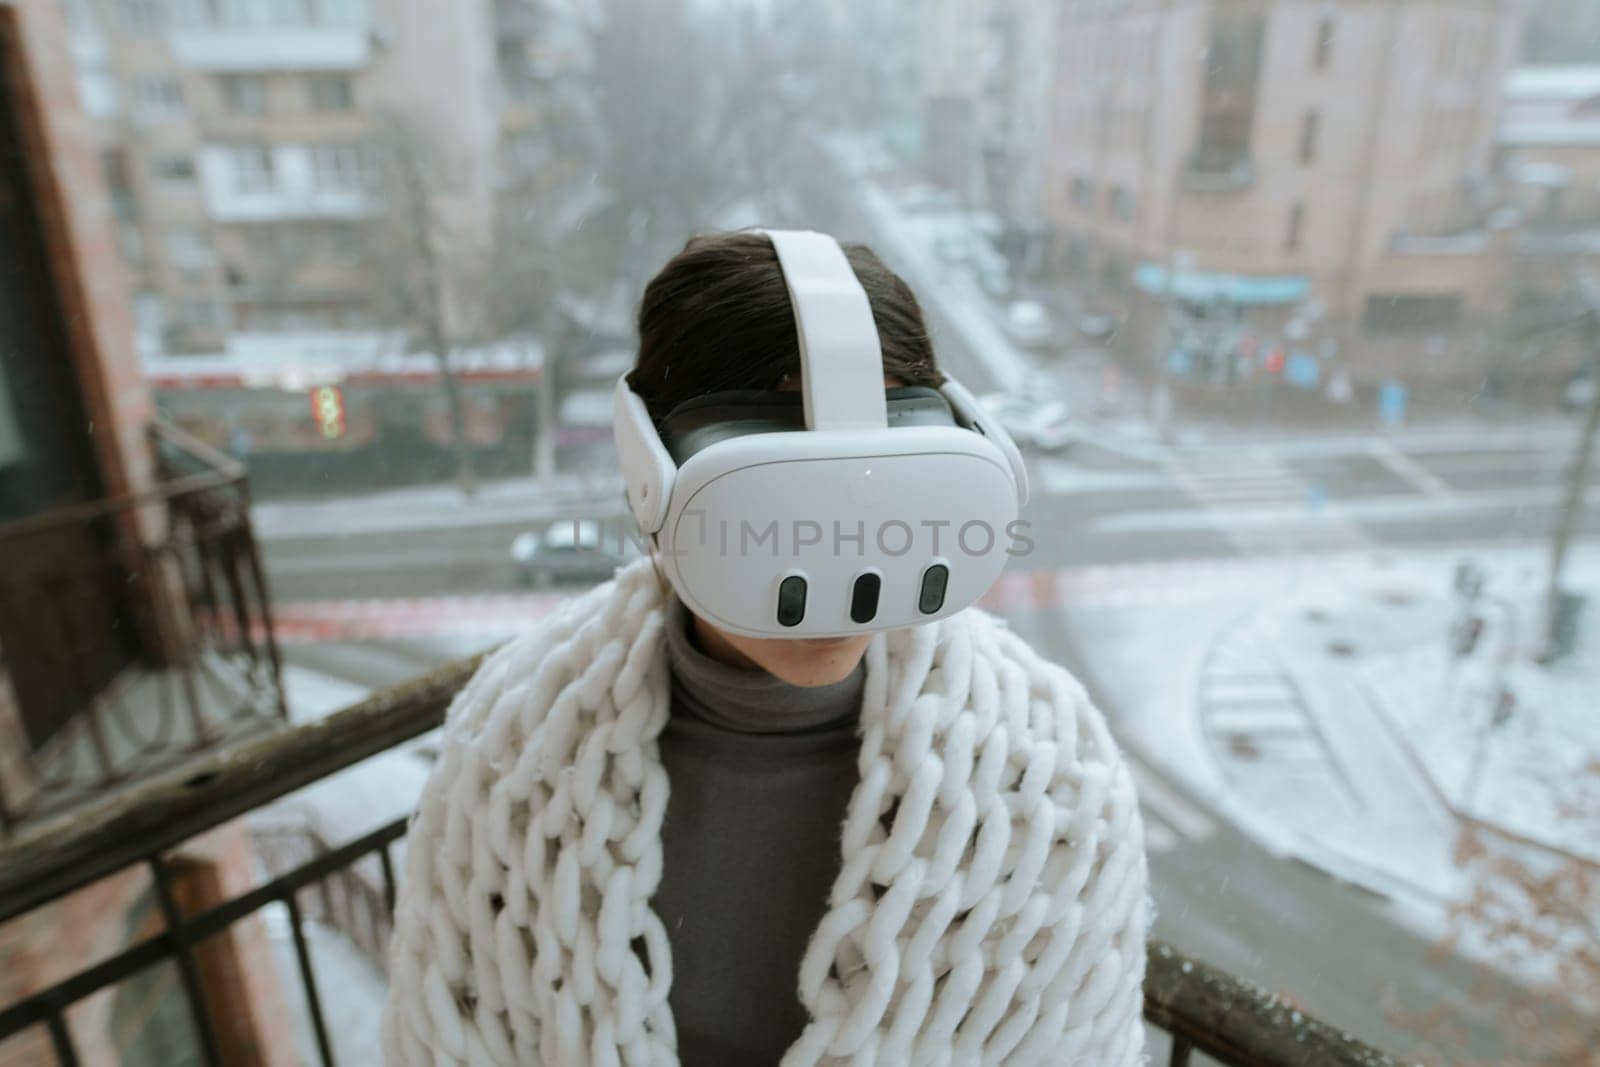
{"x": 718, "y": 317}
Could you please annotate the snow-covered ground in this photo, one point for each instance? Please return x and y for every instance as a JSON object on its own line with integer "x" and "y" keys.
{"x": 350, "y": 989}
{"x": 1317, "y": 703}
{"x": 1504, "y": 739}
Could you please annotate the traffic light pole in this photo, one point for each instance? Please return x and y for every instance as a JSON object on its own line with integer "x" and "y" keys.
{"x": 1577, "y": 481}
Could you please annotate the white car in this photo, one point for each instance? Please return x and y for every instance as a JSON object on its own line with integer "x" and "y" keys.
{"x": 994, "y": 279}
{"x": 1028, "y": 323}
{"x": 1097, "y": 327}
{"x": 1045, "y": 425}
{"x": 569, "y": 551}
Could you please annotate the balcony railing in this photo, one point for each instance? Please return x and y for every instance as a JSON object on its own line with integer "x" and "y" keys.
{"x": 1218, "y": 176}
{"x": 1202, "y": 1009}
{"x": 135, "y": 634}
{"x": 322, "y": 36}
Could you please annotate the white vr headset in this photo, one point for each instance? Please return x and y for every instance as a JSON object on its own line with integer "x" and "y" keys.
{"x": 845, "y": 509}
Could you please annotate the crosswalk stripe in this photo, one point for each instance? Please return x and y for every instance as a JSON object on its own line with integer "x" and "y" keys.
{"x": 1253, "y": 477}
{"x": 1412, "y": 471}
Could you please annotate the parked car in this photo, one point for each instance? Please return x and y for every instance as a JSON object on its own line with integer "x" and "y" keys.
{"x": 1028, "y": 323}
{"x": 570, "y": 551}
{"x": 991, "y": 269}
{"x": 1096, "y": 327}
{"x": 994, "y": 278}
{"x": 1044, "y": 425}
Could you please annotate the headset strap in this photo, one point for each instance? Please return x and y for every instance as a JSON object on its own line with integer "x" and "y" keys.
{"x": 841, "y": 363}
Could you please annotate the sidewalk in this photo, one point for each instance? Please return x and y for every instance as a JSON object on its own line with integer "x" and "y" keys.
{"x": 440, "y": 507}
{"x": 1305, "y": 699}
{"x": 1370, "y": 685}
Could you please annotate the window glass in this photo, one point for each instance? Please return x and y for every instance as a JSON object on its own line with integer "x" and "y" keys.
{"x": 246, "y": 94}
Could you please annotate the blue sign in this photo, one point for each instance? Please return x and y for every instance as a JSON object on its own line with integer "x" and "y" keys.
{"x": 1392, "y": 403}
{"x": 1303, "y": 370}
{"x": 1202, "y": 285}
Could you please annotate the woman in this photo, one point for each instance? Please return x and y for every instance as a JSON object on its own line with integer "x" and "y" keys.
{"x": 652, "y": 840}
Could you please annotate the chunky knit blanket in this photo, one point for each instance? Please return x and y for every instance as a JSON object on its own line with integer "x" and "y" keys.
{"x": 991, "y": 907}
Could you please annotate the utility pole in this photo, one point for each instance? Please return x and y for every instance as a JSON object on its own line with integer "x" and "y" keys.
{"x": 1578, "y": 476}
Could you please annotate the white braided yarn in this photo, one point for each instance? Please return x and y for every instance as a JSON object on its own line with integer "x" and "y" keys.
{"x": 991, "y": 907}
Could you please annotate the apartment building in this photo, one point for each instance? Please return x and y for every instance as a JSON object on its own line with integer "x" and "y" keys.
{"x": 1307, "y": 169}
{"x": 240, "y": 139}
{"x": 1549, "y": 144}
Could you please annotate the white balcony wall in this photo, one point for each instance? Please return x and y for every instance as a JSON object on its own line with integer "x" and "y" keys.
{"x": 256, "y": 48}
{"x": 288, "y": 190}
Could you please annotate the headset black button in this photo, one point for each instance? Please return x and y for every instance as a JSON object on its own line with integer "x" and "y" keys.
{"x": 864, "y": 598}
{"x": 791, "y": 600}
{"x": 934, "y": 581}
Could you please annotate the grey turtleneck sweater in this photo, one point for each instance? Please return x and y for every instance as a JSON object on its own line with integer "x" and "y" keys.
{"x": 761, "y": 772}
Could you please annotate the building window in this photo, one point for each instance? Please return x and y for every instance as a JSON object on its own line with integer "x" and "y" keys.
{"x": 172, "y": 168}
{"x": 119, "y": 183}
{"x": 1297, "y": 220}
{"x": 188, "y": 249}
{"x": 331, "y": 92}
{"x": 205, "y": 314}
{"x": 98, "y": 91}
{"x": 1082, "y": 193}
{"x": 1323, "y": 53}
{"x": 252, "y": 168}
{"x": 130, "y": 242}
{"x": 245, "y": 94}
{"x": 343, "y": 168}
{"x": 140, "y": 16}
{"x": 1400, "y": 313}
{"x": 1309, "y": 126}
{"x": 1121, "y": 203}
{"x": 1228, "y": 92}
{"x": 1113, "y": 273}
{"x": 156, "y": 98}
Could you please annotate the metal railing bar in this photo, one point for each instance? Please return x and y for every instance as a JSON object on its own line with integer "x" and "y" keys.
{"x": 61, "y": 1038}
{"x": 258, "y": 575}
{"x": 224, "y": 915}
{"x": 182, "y": 439}
{"x": 308, "y": 979}
{"x": 388, "y": 879}
{"x": 52, "y": 857}
{"x": 183, "y": 941}
{"x": 1241, "y": 1024}
{"x": 37, "y": 1008}
{"x": 198, "y": 927}
{"x": 105, "y": 506}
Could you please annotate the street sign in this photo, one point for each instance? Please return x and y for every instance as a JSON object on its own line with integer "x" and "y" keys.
{"x": 1392, "y": 403}
{"x": 1303, "y": 370}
